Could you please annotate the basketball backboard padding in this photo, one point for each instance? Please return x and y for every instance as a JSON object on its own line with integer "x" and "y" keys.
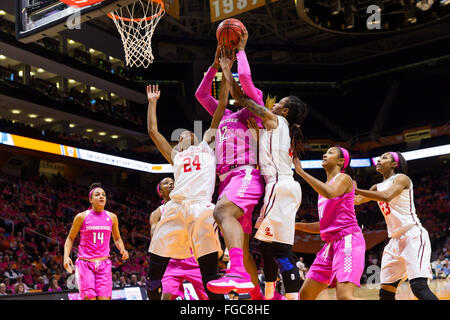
{"x": 49, "y": 17}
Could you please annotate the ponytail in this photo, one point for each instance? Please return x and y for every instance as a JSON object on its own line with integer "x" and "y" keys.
{"x": 298, "y": 110}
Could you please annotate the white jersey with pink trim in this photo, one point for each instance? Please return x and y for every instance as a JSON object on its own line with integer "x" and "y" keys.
{"x": 400, "y": 212}
{"x": 95, "y": 235}
{"x": 194, "y": 173}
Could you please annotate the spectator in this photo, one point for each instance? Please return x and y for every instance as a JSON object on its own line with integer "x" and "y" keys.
{"x": 142, "y": 281}
{"x": 3, "y": 289}
{"x": 54, "y": 286}
{"x": 19, "y": 288}
{"x": 10, "y": 273}
{"x": 134, "y": 280}
{"x": 115, "y": 281}
{"x": 123, "y": 282}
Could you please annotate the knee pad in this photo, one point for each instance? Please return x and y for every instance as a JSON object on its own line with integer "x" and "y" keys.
{"x": 289, "y": 274}
{"x": 386, "y": 295}
{"x": 419, "y": 287}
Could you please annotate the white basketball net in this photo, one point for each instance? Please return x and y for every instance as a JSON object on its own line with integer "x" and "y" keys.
{"x": 137, "y": 32}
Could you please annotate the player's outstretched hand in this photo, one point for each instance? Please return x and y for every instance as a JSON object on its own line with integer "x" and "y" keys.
{"x": 298, "y": 165}
{"x": 216, "y": 63}
{"x": 153, "y": 93}
{"x": 68, "y": 265}
{"x": 226, "y": 58}
{"x": 124, "y": 254}
{"x": 243, "y": 40}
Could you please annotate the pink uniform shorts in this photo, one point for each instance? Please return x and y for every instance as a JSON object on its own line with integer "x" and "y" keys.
{"x": 180, "y": 270}
{"x": 94, "y": 278}
{"x": 244, "y": 188}
{"x": 341, "y": 260}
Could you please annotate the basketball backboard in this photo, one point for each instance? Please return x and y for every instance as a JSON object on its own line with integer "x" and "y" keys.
{"x": 37, "y": 19}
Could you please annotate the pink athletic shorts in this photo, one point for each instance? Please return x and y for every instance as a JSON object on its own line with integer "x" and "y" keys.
{"x": 244, "y": 188}
{"x": 94, "y": 278}
{"x": 180, "y": 270}
{"x": 341, "y": 260}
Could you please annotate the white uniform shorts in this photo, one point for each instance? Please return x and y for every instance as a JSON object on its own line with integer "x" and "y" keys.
{"x": 409, "y": 255}
{"x": 184, "y": 226}
{"x": 276, "y": 222}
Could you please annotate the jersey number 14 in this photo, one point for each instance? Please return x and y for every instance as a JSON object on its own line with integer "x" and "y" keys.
{"x": 98, "y": 236}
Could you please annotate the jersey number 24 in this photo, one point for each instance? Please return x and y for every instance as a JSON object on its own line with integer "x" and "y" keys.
{"x": 190, "y": 164}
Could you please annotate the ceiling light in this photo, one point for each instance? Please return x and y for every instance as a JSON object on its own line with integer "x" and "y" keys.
{"x": 2, "y": 57}
{"x": 40, "y": 70}
{"x": 72, "y": 125}
{"x": 2, "y": 12}
{"x": 93, "y": 88}
{"x": 20, "y": 73}
{"x": 91, "y": 50}
{"x": 114, "y": 136}
{"x": 102, "y": 133}
{"x": 15, "y": 111}
{"x": 48, "y": 120}
{"x": 71, "y": 81}
{"x": 89, "y": 130}
{"x": 70, "y": 41}
{"x": 32, "y": 115}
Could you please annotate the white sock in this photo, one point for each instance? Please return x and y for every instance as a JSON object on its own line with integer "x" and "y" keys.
{"x": 269, "y": 290}
{"x": 292, "y": 296}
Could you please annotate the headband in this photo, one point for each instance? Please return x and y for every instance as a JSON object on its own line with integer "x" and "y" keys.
{"x": 92, "y": 191}
{"x": 395, "y": 156}
{"x": 157, "y": 189}
{"x": 346, "y": 158}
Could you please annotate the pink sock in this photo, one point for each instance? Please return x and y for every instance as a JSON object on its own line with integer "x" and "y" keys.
{"x": 256, "y": 294}
{"x": 237, "y": 259}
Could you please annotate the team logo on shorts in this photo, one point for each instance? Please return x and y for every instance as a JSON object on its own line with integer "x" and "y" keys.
{"x": 267, "y": 232}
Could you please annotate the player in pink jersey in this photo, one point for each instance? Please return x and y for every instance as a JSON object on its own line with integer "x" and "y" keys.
{"x": 178, "y": 270}
{"x": 187, "y": 223}
{"x": 278, "y": 142}
{"x": 409, "y": 249}
{"x": 93, "y": 267}
{"x": 241, "y": 185}
{"x": 340, "y": 263}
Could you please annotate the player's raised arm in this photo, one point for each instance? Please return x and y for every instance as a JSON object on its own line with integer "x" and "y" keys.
{"x": 359, "y": 199}
{"x": 244, "y": 72}
{"x": 203, "y": 93}
{"x": 226, "y": 61}
{"x": 161, "y": 143}
{"x": 269, "y": 119}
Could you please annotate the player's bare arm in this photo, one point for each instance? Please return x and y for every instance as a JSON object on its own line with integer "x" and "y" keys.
{"x": 161, "y": 143}
{"x": 342, "y": 184}
{"x": 313, "y": 227}
{"x": 76, "y": 226}
{"x": 270, "y": 120}
{"x": 359, "y": 199}
{"x": 117, "y": 238}
{"x": 400, "y": 183}
{"x": 155, "y": 216}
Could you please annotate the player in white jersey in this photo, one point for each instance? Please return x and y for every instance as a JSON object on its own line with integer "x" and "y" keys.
{"x": 409, "y": 250}
{"x": 280, "y": 139}
{"x": 187, "y": 223}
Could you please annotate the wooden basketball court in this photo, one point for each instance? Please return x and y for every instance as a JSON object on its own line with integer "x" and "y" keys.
{"x": 440, "y": 287}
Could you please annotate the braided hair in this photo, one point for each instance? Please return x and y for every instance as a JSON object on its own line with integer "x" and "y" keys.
{"x": 298, "y": 110}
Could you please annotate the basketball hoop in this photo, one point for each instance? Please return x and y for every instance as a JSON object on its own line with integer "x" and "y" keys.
{"x": 137, "y": 32}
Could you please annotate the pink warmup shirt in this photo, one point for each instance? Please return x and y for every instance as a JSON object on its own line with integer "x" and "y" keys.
{"x": 95, "y": 235}
{"x": 235, "y": 145}
{"x": 337, "y": 216}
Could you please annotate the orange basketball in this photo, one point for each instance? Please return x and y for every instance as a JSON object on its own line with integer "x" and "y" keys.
{"x": 229, "y": 32}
